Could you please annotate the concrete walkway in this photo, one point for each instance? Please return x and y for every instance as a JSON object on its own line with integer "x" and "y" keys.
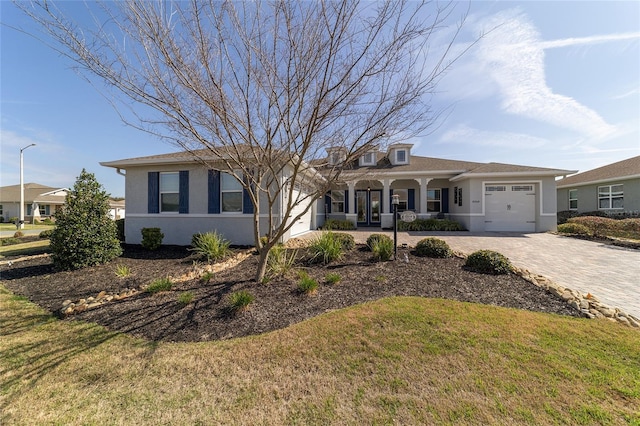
{"x": 610, "y": 273}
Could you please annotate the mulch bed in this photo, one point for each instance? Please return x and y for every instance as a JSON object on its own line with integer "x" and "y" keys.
{"x": 277, "y": 304}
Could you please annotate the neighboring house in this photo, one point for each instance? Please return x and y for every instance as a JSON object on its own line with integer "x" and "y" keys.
{"x": 116, "y": 209}
{"x": 176, "y": 193}
{"x": 40, "y": 201}
{"x": 614, "y": 188}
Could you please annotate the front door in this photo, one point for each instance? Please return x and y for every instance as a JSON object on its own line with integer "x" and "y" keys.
{"x": 369, "y": 207}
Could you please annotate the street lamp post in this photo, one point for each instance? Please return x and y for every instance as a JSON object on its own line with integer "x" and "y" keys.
{"x": 395, "y": 200}
{"x": 21, "y": 219}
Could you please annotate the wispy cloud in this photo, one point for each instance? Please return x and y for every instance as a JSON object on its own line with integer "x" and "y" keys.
{"x": 463, "y": 133}
{"x": 597, "y": 39}
{"x": 513, "y": 56}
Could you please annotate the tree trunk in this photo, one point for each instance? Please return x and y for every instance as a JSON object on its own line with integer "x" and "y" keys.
{"x": 262, "y": 263}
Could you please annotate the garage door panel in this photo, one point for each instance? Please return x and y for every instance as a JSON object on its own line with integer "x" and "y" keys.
{"x": 510, "y": 207}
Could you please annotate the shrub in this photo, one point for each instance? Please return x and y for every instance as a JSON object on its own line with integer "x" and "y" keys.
{"x": 433, "y": 247}
{"x": 18, "y": 234}
{"x": 373, "y": 238}
{"x": 48, "y": 221}
{"x": 161, "y": 284}
{"x": 326, "y": 248}
{"x": 240, "y": 300}
{"x": 489, "y": 262}
{"x": 206, "y": 277}
{"x": 185, "y": 298}
{"x": 13, "y": 219}
{"x": 573, "y": 228}
{"x": 120, "y": 228}
{"x": 210, "y": 245}
{"x": 347, "y": 241}
{"x": 1, "y": 219}
{"x": 338, "y": 225}
{"x": 430, "y": 225}
{"x": 46, "y": 234}
{"x": 280, "y": 260}
{"x": 123, "y": 271}
{"x": 332, "y": 278}
{"x": 9, "y": 241}
{"x": 151, "y": 238}
{"x": 84, "y": 234}
{"x": 382, "y": 248}
{"x": 307, "y": 285}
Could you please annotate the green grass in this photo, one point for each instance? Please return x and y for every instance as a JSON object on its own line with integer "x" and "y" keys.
{"x": 25, "y": 249}
{"x": 394, "y": 361}
{"x": 160, "y": 284}
{"x": 27, "y": 226}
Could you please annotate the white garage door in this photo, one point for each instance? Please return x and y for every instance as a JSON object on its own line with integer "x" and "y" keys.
{"x": 510, "y": 207}
{"x": 304, "y": 223}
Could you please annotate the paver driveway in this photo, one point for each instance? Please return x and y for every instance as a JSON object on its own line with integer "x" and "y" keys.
{"x": 610, "y": 273}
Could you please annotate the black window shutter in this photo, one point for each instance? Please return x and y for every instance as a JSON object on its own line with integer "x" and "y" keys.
{"x": 153, "y": 193}
{"x": 247, "y": 205}
{"x": 183, "y": 194}
{"x": 327, "y": 202}
{"x": 213, "y": 193}
{"x": 346, "y": 201}
{"x": 411, "y": 199}
{"x": 445, "y": 200}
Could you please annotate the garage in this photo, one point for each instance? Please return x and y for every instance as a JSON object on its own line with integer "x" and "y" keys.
{"x": 304, "y": 223}
{"x": 510, "y": 207}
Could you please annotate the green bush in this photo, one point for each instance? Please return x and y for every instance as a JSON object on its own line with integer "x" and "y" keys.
{"x": 161, "y": 284}
{"x": 347, "y": 241}
{"x": 151, "y": 238}
{"x": 1, "y": 219}
{"x": 433, "y": 247}
{"x": 374, "y": 238}
{"x": 382, "y": 248}
{"x": 46, "y": 234}
{"x": 332, "y": 278}
{"x": 280, "y": 260}
{"x": 123, "y": 271}
{"x": 185, "y": 298}
{"x": 84, "y": 234}
{"x": 338, "y": 225}
{"x": 120, "y": 228}
{"x": 326, "y": 248}
{"x": 211, "y": 246}
{"x": 48, "y": 221}
{"x": 307, "y": 285}
{"x": 13, "y": 219}
{"x": 430, "y": 225}
{"x": 489, "y": 262}
{"x": 240, "y": 300}
{"x": 573, "y": 228}
{"x": 9, "y": 241}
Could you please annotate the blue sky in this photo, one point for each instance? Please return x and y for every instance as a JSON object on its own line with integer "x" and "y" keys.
{"x": 554, "y": 84}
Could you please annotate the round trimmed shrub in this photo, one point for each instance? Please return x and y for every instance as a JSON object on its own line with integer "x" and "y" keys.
{"x": 573, "y": 228}
{"x": 489, "y": 262}
{"x": 374, "y": 240}
{"x": 346, "y": 240}
{"x": 433, "y": 247}
{"x": 151, "y": 238}
{"x": 46, "y": 234}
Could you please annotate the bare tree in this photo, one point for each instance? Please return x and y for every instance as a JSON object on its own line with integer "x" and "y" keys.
{"x": 264, "y": 87}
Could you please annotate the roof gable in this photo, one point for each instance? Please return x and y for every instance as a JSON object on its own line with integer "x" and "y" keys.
{"x": 628, "y": 168}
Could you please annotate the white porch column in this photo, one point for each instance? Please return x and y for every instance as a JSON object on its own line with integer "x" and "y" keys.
{"x": 423, "y": 195}
{"x": 386, "y": 195}
{"x": 351, "y": 215}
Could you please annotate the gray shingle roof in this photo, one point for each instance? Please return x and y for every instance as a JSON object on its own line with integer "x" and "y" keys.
{"x": 622, "y": 169}
{"x": 32, "y": 191}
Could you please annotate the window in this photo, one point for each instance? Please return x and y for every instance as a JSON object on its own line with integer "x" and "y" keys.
{"x": 45, "y": 210}
{"x": 403, "y": 197}
{"x": 230, "y": 193}
{"x": 495, "y": 188}
{"x": 433, "y": 200}
{"x": 519, "y": 188}
{"x": 337, "y": 201}
{"x": 610, "y": 197}
{"x": 573, "y": 199}
{"x": 368, "y": 159}
{"x": 335, "y": 158}
{"x": 401, "y": 156}
{"x": 169, "y": 192}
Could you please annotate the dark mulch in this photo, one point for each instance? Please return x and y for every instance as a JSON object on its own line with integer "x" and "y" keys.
{"x": 278, "y": 303}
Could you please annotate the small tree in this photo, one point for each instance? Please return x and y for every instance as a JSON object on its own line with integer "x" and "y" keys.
{"x": 84, "y": 233}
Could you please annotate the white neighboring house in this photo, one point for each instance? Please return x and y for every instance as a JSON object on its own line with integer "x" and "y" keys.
{"x": 116, "y": 209}
{"x": 177, "y": 193}
{"x": 40, "y": 201}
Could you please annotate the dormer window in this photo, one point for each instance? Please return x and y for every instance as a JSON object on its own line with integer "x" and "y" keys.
{"x": 336, "y": 155}
{"x": 368, "y": 159}
{"x": 335, "y": 158}
{"x": 401, "y": 156}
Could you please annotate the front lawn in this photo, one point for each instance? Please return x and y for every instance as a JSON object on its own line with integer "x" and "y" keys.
{"x": 400, "y": 360}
